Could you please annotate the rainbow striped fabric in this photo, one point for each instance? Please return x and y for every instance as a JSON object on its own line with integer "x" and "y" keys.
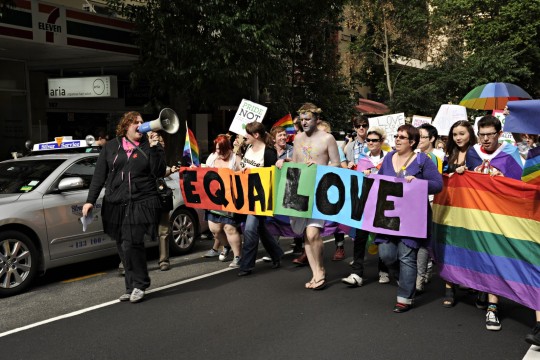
{"x": 486, "y": 235}
{"x": 506, "y": 159}
{"x": 287, "y": 123}
{"x": 531, "y": 169}
{"x": 191, "y": 149}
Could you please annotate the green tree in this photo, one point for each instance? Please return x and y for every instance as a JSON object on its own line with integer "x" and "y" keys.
{"x": 215, "y": 52}
{"x": 470, "y": 42}
{"x": 388, "y": 30}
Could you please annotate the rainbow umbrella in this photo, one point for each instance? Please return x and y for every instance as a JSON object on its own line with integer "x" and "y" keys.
{"x": 493, "y": 96}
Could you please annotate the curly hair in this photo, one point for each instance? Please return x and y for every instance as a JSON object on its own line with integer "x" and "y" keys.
{"x": 310, "y": 108}
{"x": 127, "y": 119}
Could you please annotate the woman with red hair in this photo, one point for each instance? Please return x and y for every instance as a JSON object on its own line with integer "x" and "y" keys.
{"x": 224, "y": 225}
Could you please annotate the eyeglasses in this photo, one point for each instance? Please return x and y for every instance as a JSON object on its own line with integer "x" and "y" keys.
{"x": 364, "y": 126}
{"x": 488, "y": 135}
{"x": 401, "y": 137}
{"x": 373, "y": 140}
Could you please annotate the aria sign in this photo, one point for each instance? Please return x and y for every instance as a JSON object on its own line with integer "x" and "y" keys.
{"x": 85, "y": 87}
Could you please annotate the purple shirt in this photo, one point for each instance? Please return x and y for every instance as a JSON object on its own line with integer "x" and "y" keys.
{"x": 422, "y": 167}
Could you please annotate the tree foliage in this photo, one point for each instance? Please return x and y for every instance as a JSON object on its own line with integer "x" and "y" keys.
{"x": 471, "y": 42}
{"x": 219, "y": 51}
{"x": 388, "y": 29}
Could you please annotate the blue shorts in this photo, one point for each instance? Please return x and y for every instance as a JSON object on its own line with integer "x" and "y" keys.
{"x": 208, "y": 216}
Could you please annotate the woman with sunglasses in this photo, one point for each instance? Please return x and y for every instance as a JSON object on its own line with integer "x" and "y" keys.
{"x": 399, "y": 252}
{"x": 370, "y": 164}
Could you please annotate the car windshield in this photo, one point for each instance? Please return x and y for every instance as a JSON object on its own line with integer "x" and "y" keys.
{"x": 24, "y": 176}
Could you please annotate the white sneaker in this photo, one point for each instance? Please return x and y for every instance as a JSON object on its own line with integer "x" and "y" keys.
{"x": 211, "y": 253}
{"x": 353, "y": 280}
{"x": 492, "y": 320}
{"x": 137, "y": 295}
{"x": 235, "y": 263}
{"x": 384, "y": 278}
{"x": 224, "y": 253}
{"x": 124, "y": 297}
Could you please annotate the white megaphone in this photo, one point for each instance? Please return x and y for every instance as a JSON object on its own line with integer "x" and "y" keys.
{"x": 167, "y": 120}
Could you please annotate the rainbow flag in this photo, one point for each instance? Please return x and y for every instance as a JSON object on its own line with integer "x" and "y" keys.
{"x": 531, "y": 169}
{"x": 287, "y": 123}
{"x": 191, "y": 149}
{"x": 486, "y": 235}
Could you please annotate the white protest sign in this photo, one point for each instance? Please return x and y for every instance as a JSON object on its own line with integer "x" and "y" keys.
{"x": 390, "y": 124}
{"x": 418, "y": 120}
{"x": 447, "y": 115}
{"x": 247, "y": 112}
{"x": 506, "y": 136}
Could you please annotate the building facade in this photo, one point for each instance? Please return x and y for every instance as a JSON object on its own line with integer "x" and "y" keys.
{"x": 63, "y": 71}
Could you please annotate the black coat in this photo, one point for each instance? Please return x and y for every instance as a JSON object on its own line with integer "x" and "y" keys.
{"x": 127, "y": 181}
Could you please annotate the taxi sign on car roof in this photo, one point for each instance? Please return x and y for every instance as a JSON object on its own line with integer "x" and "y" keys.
{"x": 61, "y": 142}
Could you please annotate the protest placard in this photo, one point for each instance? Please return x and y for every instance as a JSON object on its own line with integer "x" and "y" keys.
{"x": 247, "y": 112}
{"x": 506, "y": 136}
{"x": 418, "y": 120}
{"x": 390, "y": 123}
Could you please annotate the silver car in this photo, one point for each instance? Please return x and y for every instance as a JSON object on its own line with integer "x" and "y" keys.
{"x": 41, "y": 199}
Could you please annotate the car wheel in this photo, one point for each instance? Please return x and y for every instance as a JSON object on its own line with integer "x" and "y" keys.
{"x": 184, "y": 231}
{"x": 18, "y": 262}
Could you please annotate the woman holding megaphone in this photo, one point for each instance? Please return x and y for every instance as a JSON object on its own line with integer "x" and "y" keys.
{"x": 128, "y": 166}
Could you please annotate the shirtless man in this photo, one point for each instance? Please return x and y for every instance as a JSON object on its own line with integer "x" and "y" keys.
{"x": 313, "y": 146}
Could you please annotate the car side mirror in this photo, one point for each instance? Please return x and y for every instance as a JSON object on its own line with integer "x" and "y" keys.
{"x": 71, "y": 183}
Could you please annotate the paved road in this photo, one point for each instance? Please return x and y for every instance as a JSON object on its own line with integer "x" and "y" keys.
{"x": 267, "y": 315}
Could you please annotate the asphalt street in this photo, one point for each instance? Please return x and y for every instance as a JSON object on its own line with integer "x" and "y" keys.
{"x": 267, "y": 315}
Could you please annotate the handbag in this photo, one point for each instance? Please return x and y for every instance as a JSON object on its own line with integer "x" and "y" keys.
{"x": 165, "y": 195}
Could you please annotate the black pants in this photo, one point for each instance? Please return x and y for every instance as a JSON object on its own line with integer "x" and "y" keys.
{"x": 359, "y": 253}
{"x": 133, "y": 255}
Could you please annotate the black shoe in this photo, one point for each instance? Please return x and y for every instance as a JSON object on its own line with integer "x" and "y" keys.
{"x": 297, "y": 251}
{"x": 244, "y": 273}
{"x": 276, "y": 264}
{"x": 534, "y": 337}
{"x": 481, "y": 300}
{"x": 401, "y": 308}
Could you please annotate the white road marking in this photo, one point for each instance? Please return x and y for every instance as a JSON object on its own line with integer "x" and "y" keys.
{"x": 82, "y": 311}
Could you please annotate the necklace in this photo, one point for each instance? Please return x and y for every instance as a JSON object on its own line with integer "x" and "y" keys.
{"x": 399, "y": 160}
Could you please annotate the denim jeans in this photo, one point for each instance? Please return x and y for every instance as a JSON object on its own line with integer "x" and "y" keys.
{"x": 422, "y": 263}
{"x": 401, "y": 262}
{"x": 254, "y": 228}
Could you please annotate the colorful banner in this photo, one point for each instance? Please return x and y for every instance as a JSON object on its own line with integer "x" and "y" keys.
{"x": 286, "y": 122}
{"x": 531, "y": 169}
{"x": 295, "y": 184}
{"x": 249, "y": 192}
{"x": 191, "y": 149}
{"x": 380, "y": 204}
{"x": 486, "y": 231}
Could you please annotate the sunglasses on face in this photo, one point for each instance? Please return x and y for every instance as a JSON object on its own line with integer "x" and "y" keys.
{"x": 373, "y": 140}
{"x": 364, "y": 126}
{"x": 401, "y": 137}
